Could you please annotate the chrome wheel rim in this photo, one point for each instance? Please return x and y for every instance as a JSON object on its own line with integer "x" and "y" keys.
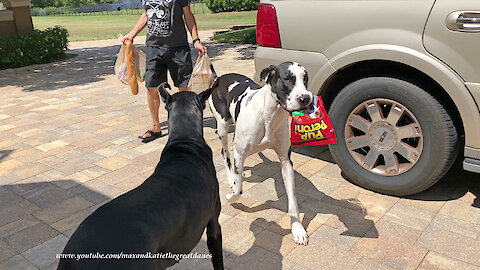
{"x": 384, "y": 137}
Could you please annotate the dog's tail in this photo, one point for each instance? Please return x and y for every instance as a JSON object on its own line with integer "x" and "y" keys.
{"x": 165, "y": 86}
{"x": 213, "y": 71}
{"x": 215, "y": 82}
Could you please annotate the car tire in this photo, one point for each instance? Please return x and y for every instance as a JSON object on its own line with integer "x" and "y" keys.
{"x": 422, "y": 158}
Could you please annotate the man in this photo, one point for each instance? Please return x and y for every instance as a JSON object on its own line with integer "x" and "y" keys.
{"x": 167, "y": 48}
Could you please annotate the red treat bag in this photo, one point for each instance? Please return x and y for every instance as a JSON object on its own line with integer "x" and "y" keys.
{"x": 312, "y": 126}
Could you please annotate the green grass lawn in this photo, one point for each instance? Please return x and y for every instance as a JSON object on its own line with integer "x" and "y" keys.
{"x": 109, "y": 26}
{"x": 245, "y": 36}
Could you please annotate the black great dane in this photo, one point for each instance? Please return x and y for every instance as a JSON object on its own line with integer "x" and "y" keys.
{"x": 166, "y": 214}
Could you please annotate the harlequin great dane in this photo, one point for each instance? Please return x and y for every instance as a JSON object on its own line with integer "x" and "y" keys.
{"x": 166, "y": 214}
{"x": 260, "y": 115}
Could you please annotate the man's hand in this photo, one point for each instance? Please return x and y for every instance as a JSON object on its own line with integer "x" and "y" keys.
{"x": 127, "y": 37}
{"x": 200, "y": 48}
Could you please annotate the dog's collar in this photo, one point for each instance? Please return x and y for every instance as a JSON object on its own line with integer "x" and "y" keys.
{"x": 283, "y": 107}
{"x": 279, "y": 103}
{"x": 175, "y": 141}
{"x": 200, "y": 143}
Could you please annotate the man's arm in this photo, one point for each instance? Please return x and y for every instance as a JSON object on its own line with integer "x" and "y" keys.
{"x": 142, "y": 22}
{"x": 192, "y": 28}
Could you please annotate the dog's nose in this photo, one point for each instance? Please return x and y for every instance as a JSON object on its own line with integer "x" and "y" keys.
{"x": 304, "y": 99}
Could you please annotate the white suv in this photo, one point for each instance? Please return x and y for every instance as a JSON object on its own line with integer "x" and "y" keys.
{"x": 401, "y": 80}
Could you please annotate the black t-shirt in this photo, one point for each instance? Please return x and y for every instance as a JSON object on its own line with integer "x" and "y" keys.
{"x": 166, "y": 26}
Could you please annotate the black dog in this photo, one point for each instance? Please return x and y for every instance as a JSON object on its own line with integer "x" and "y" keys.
{"x": 168, "y": 213}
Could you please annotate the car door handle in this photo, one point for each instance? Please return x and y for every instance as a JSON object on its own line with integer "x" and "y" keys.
{"x": 464, "y": 21}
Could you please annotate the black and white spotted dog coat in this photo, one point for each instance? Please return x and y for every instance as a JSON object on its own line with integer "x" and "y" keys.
{"x": 260, "y": 115}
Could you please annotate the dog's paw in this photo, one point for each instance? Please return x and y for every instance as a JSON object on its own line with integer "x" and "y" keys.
{"x": 233, "y": 197}
{"x": 299, "y": 234}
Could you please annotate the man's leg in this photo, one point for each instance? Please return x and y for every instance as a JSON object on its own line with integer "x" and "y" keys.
{"x": 155, "y": 74}
{"x": 154, "y": 105}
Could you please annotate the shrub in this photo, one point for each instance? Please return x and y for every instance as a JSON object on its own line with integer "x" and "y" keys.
{"x": 49, "y": 11}
{"x": 35, "y": 12}
{"x": 247, "y": 4}
{"x": 36, "y": 48}
{"x": 231, "y": 5}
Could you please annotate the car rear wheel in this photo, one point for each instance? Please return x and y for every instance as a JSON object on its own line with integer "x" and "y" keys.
{"x": 393, "y": 137}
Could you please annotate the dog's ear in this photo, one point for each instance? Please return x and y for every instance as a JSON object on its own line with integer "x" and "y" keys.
{"x": 267, "y": 73}
{"x": 203, "y": 96}
{"x": 162, "y": 90}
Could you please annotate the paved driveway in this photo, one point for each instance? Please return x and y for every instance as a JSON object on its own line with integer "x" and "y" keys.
{"x": 69, "y": 144}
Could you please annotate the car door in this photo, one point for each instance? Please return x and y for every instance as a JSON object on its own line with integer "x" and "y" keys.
{"x": 452, "y": 34}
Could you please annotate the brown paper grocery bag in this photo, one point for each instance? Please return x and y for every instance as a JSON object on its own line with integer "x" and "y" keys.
{"x": 203, "y": 75}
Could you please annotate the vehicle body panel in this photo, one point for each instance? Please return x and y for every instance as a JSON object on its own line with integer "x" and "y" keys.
{"x": 335, "y": 26}
{"x": 459, "y": 50}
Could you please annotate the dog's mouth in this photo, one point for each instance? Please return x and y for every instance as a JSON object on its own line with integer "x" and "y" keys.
{"x": 284, "y": 106}
{"x": 297, "y": 105}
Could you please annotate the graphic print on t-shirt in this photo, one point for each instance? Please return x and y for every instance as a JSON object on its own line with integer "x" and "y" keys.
{"x": 160, "y": 16}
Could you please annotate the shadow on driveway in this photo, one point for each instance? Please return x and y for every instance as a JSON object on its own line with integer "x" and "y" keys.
{"x": 354, "y": 218}
{"x": 46, "y": 214}
{"x": 38, "y": 217}
{"x": 455, "y": 184}
{"x": 89, "y": 65}
{"x": 4, "y": 154}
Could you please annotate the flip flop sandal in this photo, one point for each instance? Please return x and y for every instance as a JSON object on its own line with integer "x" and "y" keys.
{"x": 153, "y": 136}
{"x": 149, "y": 132}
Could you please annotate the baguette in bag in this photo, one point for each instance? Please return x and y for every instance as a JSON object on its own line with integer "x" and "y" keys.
{"x": 132, "y": 72}
{"x": 130, "y": 58}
